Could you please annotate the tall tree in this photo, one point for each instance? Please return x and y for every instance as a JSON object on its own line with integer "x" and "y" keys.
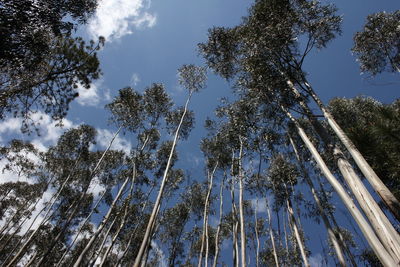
{"x": 377, "y": 46}
{"x": 41, "y": 63}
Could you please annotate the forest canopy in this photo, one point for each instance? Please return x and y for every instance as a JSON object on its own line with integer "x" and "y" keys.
{"x": 283, "y": 177}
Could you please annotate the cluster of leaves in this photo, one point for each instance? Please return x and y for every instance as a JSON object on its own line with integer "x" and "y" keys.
{"x": 41, "y": 64}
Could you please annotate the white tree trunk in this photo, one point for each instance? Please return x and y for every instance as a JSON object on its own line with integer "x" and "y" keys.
{"x": 325, "y": 219}
{"x": 154, "y": 213}
{"x": 271, "y": 235}
{"x": 241, "y": 212}
{"x": 369, "y": 234}
{"x": 297, "y": 233}
{"x": 219, "y": 224}
{"x": 388, "y": 198}
{"x": 204, "y": 237}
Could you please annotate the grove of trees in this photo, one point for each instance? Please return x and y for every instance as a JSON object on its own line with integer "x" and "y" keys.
{"x": 272, "y": 164}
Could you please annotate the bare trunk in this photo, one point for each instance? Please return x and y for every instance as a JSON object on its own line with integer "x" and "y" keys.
{"x": 297, "y": 233}
{"x": 204, "y": 237}
{"x": 256, "y": 232}
{"x": 97, "y": 252}
{"x": 80, "y": 229}
{"x": 271, "y": 235}
{"x": 107, "y": 216}
{"x": 235, "y": 246}
{"x": 388, "y": 198}
{"x": 241, "y": 212}
{"x": 154, "y": 213}
{"x": 369, "y": 234}
{"x": 219, "y": 224}
{"x": 383, "y": 228}
{"x": 331, "y": 234}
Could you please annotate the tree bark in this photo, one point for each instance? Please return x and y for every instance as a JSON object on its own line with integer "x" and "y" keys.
{"x": 369, "y": 234}
{"x": 388, "y": 198}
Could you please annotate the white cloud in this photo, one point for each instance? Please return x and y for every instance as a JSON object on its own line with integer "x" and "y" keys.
{"x": 316, "y": 260}
{"x": 95, "y": 95}
{"x": 104, "y": 137}
{"x": 88, "y": 97}
{"x": 116, "y": 18}
{"x": 135, "y": 79}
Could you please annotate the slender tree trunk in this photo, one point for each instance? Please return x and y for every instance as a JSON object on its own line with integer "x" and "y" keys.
{"x": 241, "y": 212}
{"x": 372, "y": 239}
{"x": 102, "y": 224}
{"x": 219, "y": 224}
{"x": 388, "y": 198}
{"x": 382, "y": 226}
{"x": 107, "y": 216}
{"x": 337, "y": 228}
{"x": 97, "y": 252}
{"x": 235, "y": 246}
{"x": 297, "y": 233}
{"x": 204, "y": 236}
{"x": 133, "y": 233}
{"x": 154, "y": 213}
{"x": 331, "y": 234}
{"x": 80, "y": 228}
{"x": 123, "y": 221}
{"x": 271, "y": 235}
{"x": 256, "y": 232}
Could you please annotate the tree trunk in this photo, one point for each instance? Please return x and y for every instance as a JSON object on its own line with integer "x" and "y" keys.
{"x": 204, "y": 237}
{"x": 382, "y": 226}
{"x": 154, "y": 213}
{"x": 388, "y": 198}
{"x": 297, "y": 233}
{"x": 235, "y": 246}
{"x": 372, "y": 239}
{"x": 241, "y": 212}
{"x": 257, "y": 237}
{"x": 331, "y": 234}
{"x": 271, "y": 235}
{"x": 219, "y": 224}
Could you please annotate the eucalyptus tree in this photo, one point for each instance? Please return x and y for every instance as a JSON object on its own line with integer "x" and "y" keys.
{"x": 377, "y": 46}
{"x": 263, "y": 53}
{"x": 374, "y": 128}
{"x": 263, "y": 56}
{"x": 193, "y": 79}
{"x": 42, "y": 64}
{"x": 140, "y": 115}
{"x": 71, "y": 168}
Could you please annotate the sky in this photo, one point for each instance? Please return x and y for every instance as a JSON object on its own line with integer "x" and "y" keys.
{"x": 148, "y": 40}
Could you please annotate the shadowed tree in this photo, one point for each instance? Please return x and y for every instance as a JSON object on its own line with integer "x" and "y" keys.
{"x": 41, "y": 64}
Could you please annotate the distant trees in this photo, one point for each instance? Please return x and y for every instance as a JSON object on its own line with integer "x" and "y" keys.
{"x": 377, "y": 46}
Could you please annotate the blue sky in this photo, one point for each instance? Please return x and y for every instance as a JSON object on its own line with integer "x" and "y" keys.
{"x": 147, "y": 41}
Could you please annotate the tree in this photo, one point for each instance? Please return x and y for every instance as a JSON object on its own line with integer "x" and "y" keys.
{"x": 377, "y": 46}
{"x": 193, "y": 79}
{"x": 41, "y": 64}
{"x": 374, "y": 128}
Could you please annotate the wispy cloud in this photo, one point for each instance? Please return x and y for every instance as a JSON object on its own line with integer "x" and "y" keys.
{"x": 104, "y": 137}
{"x": 135, "y": 79}
{"x": 93, "y": 96}
{"x": 117, "y": 18}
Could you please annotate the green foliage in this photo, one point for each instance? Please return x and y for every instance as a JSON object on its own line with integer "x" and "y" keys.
{"x": 41, "y": 64}
{"x": 377, "y": 46}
